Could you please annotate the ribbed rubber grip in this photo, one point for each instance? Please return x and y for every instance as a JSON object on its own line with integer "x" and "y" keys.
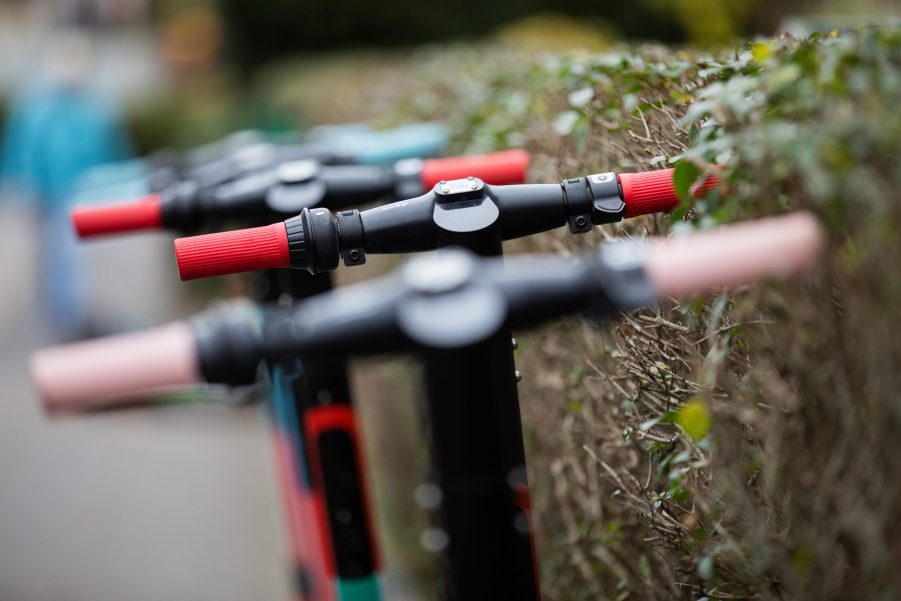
{"x": 653, "y": 191}
{"x": 236, "y": 251}
{"x": 96, "y": 220}
{"x": 499, "y": 168}
{"x": 117, "y": 370}
{"x": 734, "y": 254}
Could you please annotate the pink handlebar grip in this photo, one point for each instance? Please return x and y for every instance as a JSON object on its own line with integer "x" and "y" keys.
{"x": 735, "y": 254}
{"x": 236, "y": 251}
{"x": 143, "y": 214}
{"x": 653, "y": 191}
{"x": 499, "y": 168}
{"x": 107, "y": 372}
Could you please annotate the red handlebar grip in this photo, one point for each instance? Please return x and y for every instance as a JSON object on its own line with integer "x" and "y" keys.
{"x": 107, "y": 372}
{"x": 653, "y": 191}
{"x": 499, "y": 168}
{"x": 232, "y": 252}
{"x": 143, "y": 214}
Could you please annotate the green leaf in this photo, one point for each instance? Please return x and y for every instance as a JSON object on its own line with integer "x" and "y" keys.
{"x": 644, "y": 565}
{"x": 694, "y": 418}
{"x": 581, "y": 97}
{"x": 785, "y": 76}
{"x": 565, "y": 122}
{"x": 683, "y": 177}
{"x": 575, "y": 375}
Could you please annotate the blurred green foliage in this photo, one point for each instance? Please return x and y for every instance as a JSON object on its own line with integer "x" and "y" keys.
{"x": 261, "y": 31}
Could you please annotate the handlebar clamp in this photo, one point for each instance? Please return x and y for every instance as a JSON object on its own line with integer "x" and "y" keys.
{"x": 578, "y": 203}
{"x": 350, "y": 231}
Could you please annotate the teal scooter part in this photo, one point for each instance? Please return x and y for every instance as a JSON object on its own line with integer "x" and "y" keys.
{"x": 359, "y": 589}
{"x": 113, "y": 174}
{"x": 409, "y": 141}
{"x": 133, "y": 188}
{"x": 131, "y": 179}
{"x": 222, "y": 147}
{"x": 331, "y": 132}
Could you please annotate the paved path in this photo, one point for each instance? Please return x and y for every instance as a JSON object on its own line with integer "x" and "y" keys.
{"x": 165, "y": 504}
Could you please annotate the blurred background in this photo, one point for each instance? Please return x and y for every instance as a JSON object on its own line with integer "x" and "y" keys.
{"x": 166, "y": 504}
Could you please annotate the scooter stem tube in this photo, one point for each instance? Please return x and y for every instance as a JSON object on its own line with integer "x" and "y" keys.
{"x": 321, "y": 468}
{"x": 477, "y": 443}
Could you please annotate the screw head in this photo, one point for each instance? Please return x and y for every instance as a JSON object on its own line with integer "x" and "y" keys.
{"x": 428, "y": 495}
{"x": 354, "y": 255}
{"x": 580, "y": 221}
{"x": 433, "y": 539}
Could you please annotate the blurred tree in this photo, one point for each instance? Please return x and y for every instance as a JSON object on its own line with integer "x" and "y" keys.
{"x": 265, "y": 29}
{"x": 260, "y": 31}
{"x": 712, "y": 21}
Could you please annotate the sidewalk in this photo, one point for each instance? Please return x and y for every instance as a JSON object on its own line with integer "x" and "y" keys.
{"x": 175, "y": 503}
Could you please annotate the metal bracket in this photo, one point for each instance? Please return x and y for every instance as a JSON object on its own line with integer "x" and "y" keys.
{"x": 607, "y": 203}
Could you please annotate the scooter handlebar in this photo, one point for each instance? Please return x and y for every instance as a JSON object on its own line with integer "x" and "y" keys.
{"x": 527, "y": 209}
{"x": 111, "y": 218}
{"x": 735, "y": 254}
{"x": 113, "y": 371}
{"x": 497, "y": 168}
{"x": 234, "y": 251}
{"x": 654, "y": 191}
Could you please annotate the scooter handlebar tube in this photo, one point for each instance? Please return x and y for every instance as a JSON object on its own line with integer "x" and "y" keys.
{"x": 448, "y": 300}
{"x": 221, "y": 346}
{"x": 654, "y": 191}
{"x": 286, "y": 187}
{"x": 114, "y": 371}
{"x": 234, "y": 251}
{"x": 738, "y": 254}
{"x": 452, "y": 207}
{"x": 111, "y": 218}
{"x": 498, "y": 168}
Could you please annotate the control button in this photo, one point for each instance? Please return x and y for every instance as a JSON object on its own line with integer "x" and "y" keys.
{"x": 459, "y": 187}
{"x": 438, "y": 273}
